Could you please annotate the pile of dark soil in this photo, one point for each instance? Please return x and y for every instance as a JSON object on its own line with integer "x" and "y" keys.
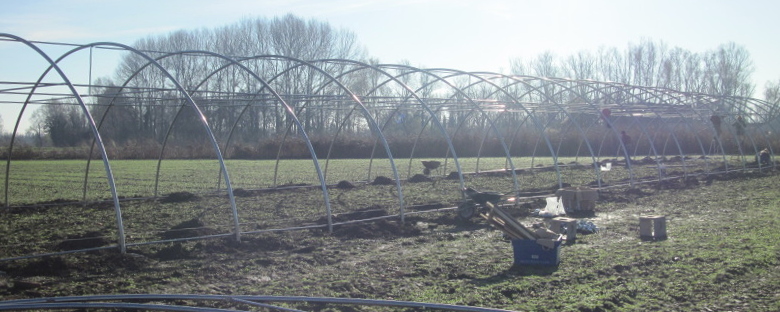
{"x": 270, "y": 242}
{"x": 90, "y": 239}
{"x": 190, "y": 228}
{"x": 382, "y": 180}
{"x": 365, "y": 213}
{"x": 179, "y": 197}
{"x": 417, "y": 178}
{"x": 384, "y": 228}
{"x": 345, "y": 185}
{"x": 239, "y": 192}
{"x": 46, "y": 266}
{"x": 173, "y": 252}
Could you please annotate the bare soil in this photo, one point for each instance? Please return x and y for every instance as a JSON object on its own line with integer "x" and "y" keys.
{"x": 433, "y": 257}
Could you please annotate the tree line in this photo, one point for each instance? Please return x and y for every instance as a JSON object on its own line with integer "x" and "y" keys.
{"x": 723, "y": 71}
{"x": 140, "y": 115}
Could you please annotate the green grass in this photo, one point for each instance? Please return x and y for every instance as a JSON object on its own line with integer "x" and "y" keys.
{"x": 39, "y": 181}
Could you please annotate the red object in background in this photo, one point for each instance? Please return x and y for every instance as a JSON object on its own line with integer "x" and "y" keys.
{"x": 605, "y": 113}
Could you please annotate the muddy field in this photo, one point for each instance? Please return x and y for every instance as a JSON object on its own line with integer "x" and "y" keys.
{"x": 721, "y": 255}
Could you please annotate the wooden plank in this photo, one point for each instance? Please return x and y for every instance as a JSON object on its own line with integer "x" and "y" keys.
{"x": 501, "y": 225}
{"x": 512, "y": 223}
{"x": 506, "y": 223}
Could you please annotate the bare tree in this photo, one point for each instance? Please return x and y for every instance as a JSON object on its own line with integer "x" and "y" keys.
{"x": 581, "y": 66}
{"x": 231, "y": 87}
{"x": 728, "y": 70}
{"x": 772, "y": 97}
{"x": 612, "y": 65}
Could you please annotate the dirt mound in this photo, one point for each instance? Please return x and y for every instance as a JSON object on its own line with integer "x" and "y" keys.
{"x": 260, "y": 242}
{"x": 345, "y": 185}
{"x": 47, "y": 266}
{"x": 691, "y": 181}
{"x": 90, "y": 239}
{"x": 678, "y": 183}
{"x": 382, "y": 180}
{"x": 239, "y": 192}
{"x": 179, "y": 197}
{"x": 596, "y": 183}
{"x": 190, "y": 228}
{"x": 173, "y": 252}
{"x": 111, "y": 260}
{"x": 383, "y": 228}
{"x": 365, "y": 213}
{"x": 417, "y": 178}
{"x": 622, "y": 196}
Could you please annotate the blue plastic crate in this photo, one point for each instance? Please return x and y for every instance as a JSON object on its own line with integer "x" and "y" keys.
{"x": 528, "y": 252}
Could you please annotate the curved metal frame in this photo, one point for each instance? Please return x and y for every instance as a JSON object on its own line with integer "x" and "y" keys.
{"x": 92, "y": 126}
{"x": 638, "y": 108}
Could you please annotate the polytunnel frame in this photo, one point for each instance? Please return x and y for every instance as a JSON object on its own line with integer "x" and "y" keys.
{"x": 359, "y": 104}
{"x": 90, "y": 121}
{"x": 753, "y": 105}
{"x": 413, "y": 93}
{"x": 620, "y": 89}
{"x": 524, "y": 82}
{"x": 678, "y": 107}
{"x": 532, "y": 116}
{"x": 423, "y": 103}
{"x": 680, "y": 103}
{"x": 531, "y": 113}
{"x": 413, "y": 70}
{"x": 598, "y": 112}
{"x": 301, "y": 108}
{"x": 290, "y": 110}
{"x": 625, "y": 90}
{"x": 487, "y": 133}
{"x": 223, "y": 170}
{"x": 458, "y": 90}
{"x": 203, "y": 121}
{"x": 187, "y": 100}
{"x": 550, "y": 97}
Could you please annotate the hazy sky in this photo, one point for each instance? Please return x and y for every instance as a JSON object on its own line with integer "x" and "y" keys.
{"x": 480, "y": 35}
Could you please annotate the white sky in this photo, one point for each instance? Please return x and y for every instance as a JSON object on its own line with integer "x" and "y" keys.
{"x": 475, "y": 35}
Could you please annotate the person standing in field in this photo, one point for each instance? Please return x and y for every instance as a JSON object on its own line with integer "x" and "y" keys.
{"x": 739, "y": 126}
{"x": 715, "y": 119}
{"x": 716, "y": 122}
{"x": 764, "y": 158}
{"x": 605, "y": 113}
{"x": 626, "y": 139}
